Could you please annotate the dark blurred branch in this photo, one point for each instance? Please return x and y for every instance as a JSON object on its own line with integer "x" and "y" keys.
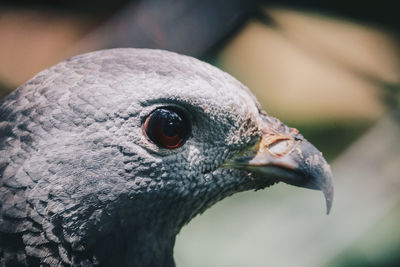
{"x": 189, "y": 27}
{"x": 382, "y": 13}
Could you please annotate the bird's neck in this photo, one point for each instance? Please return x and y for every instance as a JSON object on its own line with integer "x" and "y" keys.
{"x": 136, "y": 248}
{"x": 152, "y": 250}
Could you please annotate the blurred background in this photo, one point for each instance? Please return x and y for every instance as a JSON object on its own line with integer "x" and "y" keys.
{"x": 329, "y": 68}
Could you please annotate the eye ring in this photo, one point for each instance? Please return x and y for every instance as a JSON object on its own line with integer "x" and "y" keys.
{"x": 167, "y": 127}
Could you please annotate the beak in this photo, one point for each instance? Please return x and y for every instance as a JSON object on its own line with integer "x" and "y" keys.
{"x": 282, "y": 154}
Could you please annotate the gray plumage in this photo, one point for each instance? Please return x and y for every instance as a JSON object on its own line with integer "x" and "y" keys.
{"x": 81, "y": 185}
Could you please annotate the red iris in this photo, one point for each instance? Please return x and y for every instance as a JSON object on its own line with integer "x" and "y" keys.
{"x": 167, "y": 127}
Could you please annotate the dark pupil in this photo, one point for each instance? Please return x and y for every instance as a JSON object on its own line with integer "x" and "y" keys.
{"x": 170, "y": 121}
{"x": 167, "y": 127}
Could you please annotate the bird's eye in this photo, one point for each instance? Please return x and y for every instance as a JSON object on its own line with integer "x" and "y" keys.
{"x": 167, "y": 127}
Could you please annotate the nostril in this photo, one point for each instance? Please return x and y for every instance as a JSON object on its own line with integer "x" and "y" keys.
{"x": 281, "y": 147}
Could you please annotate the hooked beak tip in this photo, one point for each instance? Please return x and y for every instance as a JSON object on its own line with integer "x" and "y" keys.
{"x": 315, "y": 170}
{"x": 292, "y": 161}
{"x": 328, "y": 194}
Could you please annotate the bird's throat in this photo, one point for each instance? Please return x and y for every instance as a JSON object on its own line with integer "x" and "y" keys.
{"x": 142, "y": 248}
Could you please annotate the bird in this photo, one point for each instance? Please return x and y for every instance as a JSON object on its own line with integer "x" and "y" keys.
{"x": 105, "y": 156}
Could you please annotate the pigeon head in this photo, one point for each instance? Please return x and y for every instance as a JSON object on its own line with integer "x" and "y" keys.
{"x": 105, "y": 156}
